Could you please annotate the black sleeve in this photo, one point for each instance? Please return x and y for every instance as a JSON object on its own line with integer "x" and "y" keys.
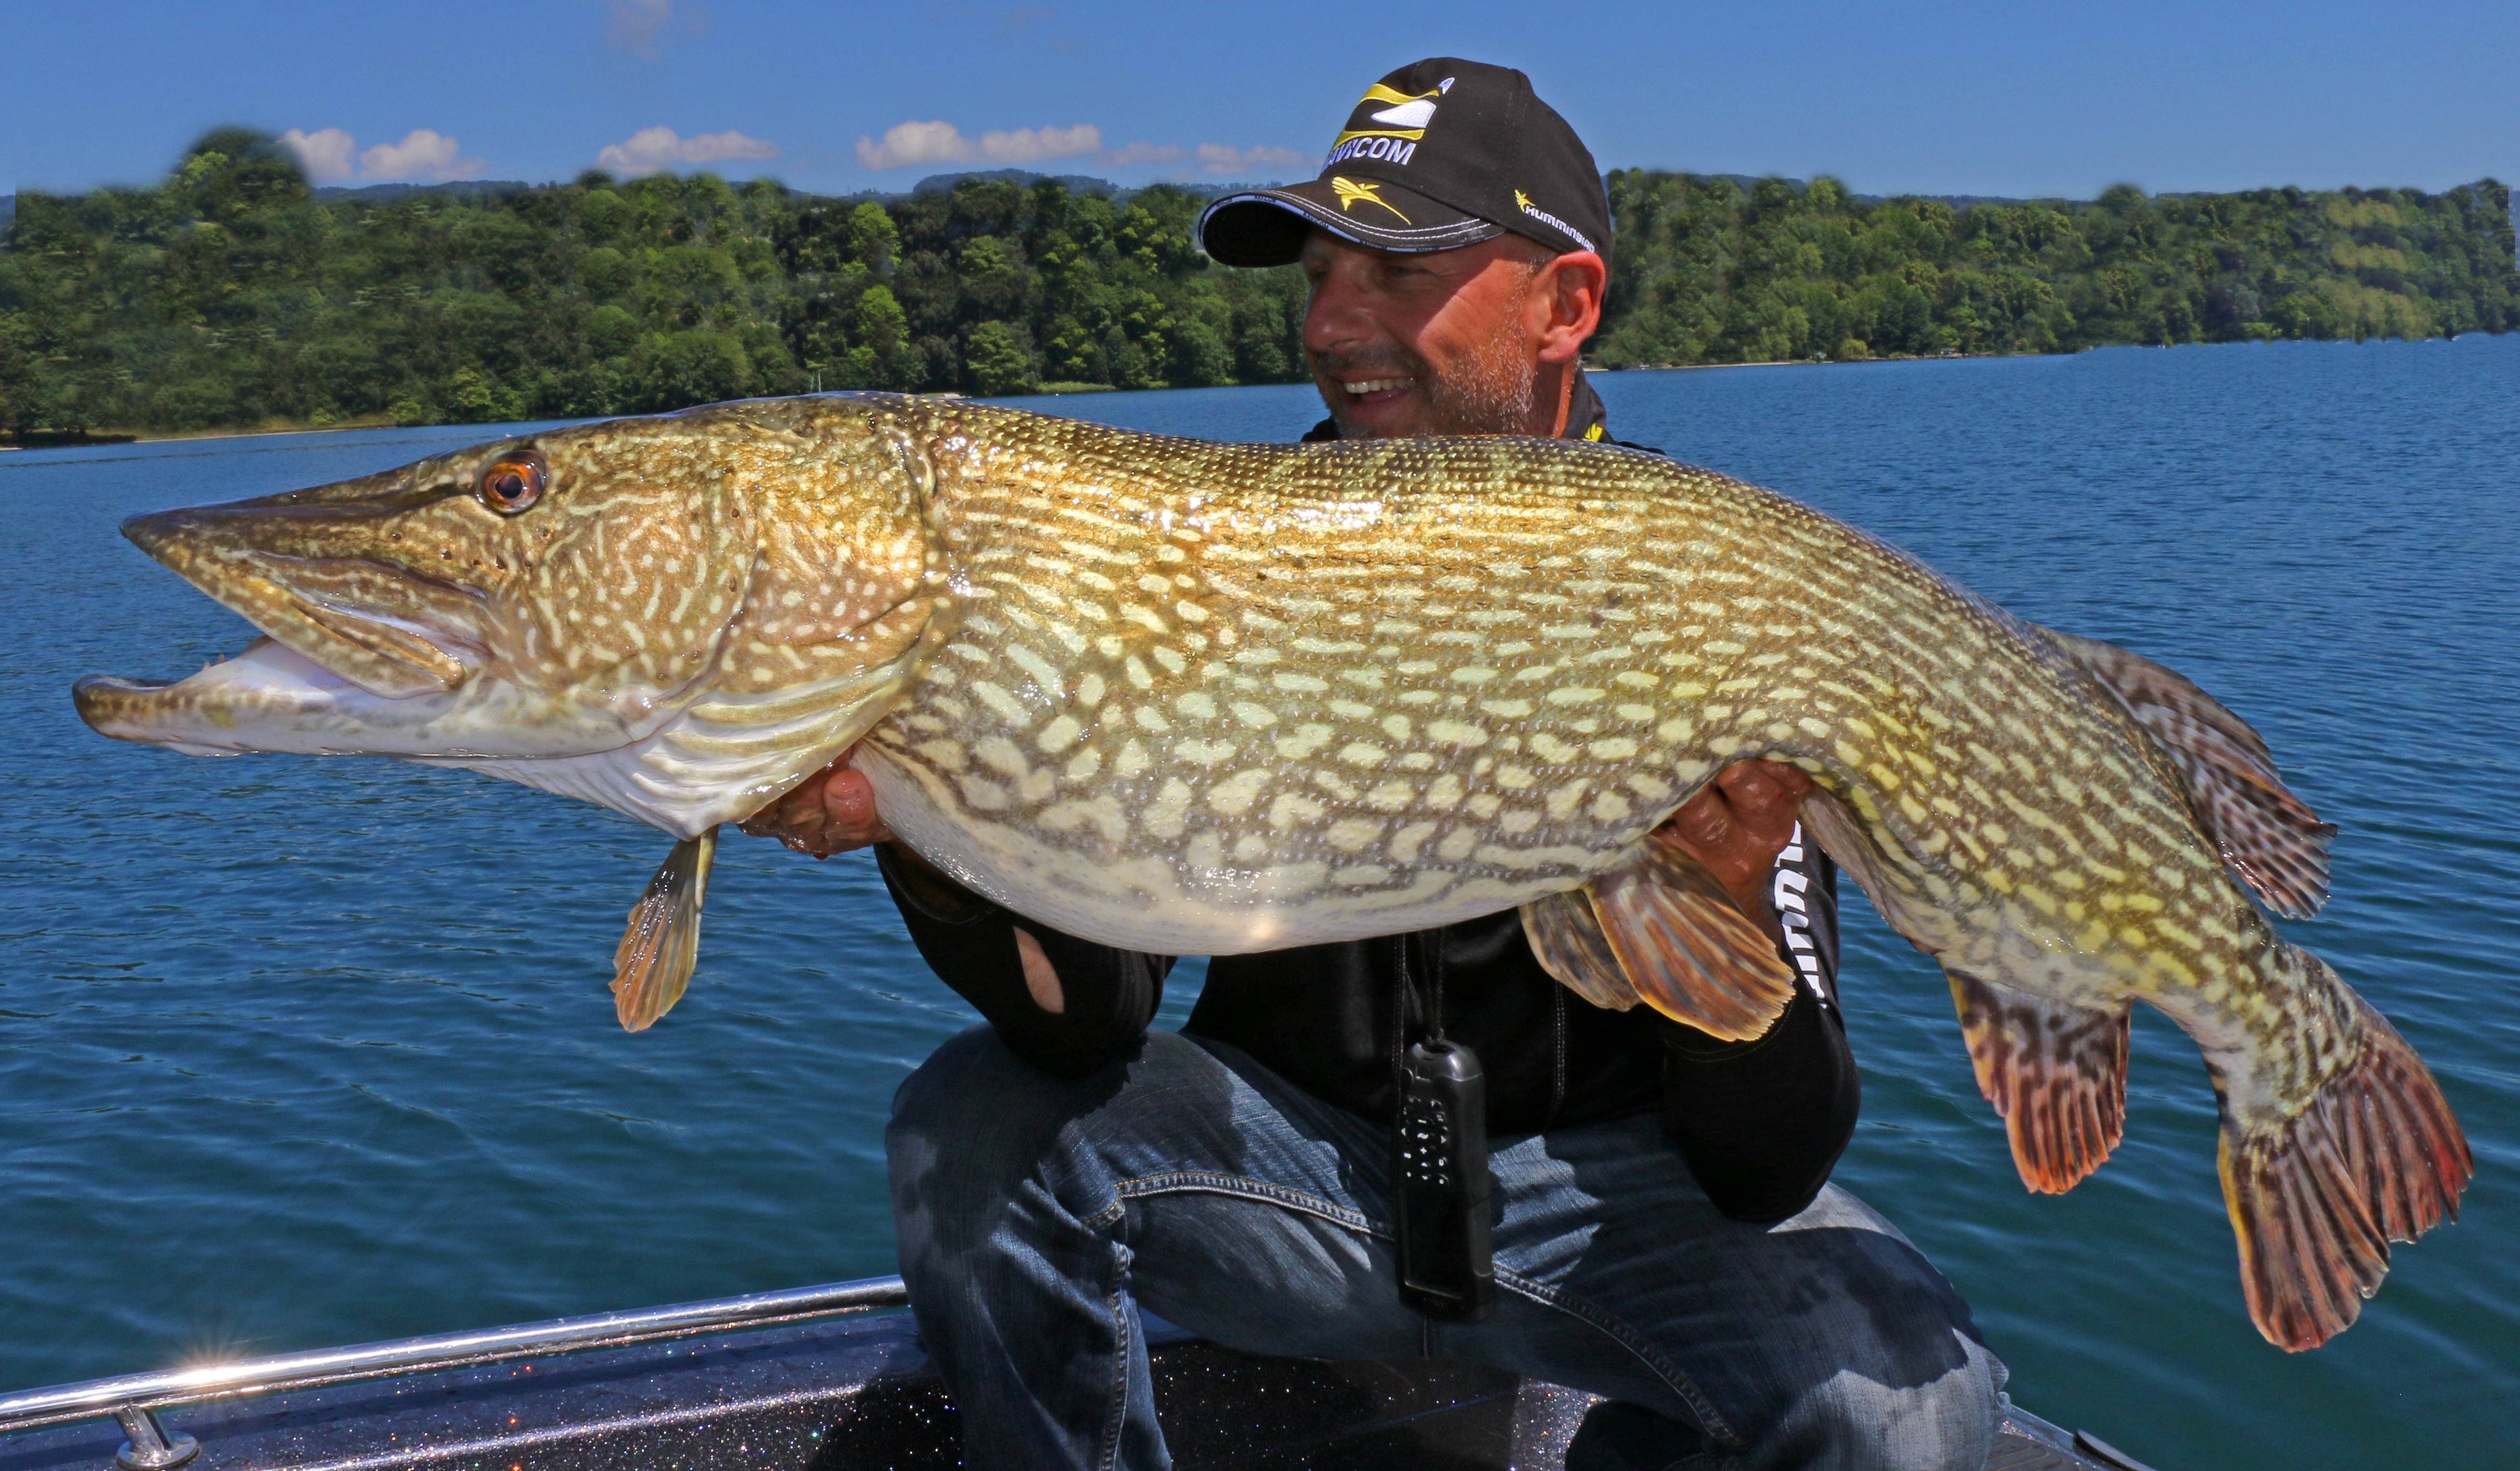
{"x": 1110, "y": 994}
{"x": 1762, "y": 1121}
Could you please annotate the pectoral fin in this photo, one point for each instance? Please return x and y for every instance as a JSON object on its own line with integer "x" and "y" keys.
{"x": 1663, "y": 931}
{"x": 661, "y": 944}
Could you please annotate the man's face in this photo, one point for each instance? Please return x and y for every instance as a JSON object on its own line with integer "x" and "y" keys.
{"x": 1439, "y": 342}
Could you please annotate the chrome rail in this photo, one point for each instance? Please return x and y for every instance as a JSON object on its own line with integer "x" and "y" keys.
{"x": 129, "y": 1397}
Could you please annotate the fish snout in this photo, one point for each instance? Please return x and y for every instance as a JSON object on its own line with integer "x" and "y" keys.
{"x": 329, "y": 581}
{"x": 169, "y": 538}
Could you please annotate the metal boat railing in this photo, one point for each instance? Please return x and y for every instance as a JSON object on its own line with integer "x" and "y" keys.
{"x": 133, "y": 1398}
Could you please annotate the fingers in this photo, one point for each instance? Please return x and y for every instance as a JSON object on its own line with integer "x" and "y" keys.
{"x": 832, "y": 811}
{"x": 795, "y": 817}
{"x": 1765, "y": 798}
{"x": 848, "y": 808}
{"x": 1041, "y": 978}
{"x": 1738, "y": 824}
{"x": 1704, "y": 824}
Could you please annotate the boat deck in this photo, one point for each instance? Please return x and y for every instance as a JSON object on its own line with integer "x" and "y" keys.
{"x": 856, "y": 1393}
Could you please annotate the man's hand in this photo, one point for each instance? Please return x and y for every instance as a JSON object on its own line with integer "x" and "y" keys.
{"x": 832, "y": 811}
{"x": 1737, "y": 826}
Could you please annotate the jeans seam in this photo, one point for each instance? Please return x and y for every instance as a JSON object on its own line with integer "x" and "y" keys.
{"x": 1709, "y": 1420}
{"x": 1116, "y": 1421}
{"x": 1185, "y": 1182}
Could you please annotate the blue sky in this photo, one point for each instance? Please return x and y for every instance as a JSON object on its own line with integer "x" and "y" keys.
{"x": 2003, "y": 99}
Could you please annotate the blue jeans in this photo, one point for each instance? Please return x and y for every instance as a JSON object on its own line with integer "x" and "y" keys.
{"x": 1036, "y": 1213}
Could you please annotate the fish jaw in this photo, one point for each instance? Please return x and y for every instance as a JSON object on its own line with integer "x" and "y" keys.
{"x": 317, "y": 574}
{"x": 271, "y": 698}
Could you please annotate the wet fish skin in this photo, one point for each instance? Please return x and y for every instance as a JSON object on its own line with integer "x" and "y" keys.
{"x": 1209, "y": 699}
{"x": 694, "y": 602}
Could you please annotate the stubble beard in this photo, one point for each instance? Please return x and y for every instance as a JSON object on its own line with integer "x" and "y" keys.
{"x": 1490, "y": 392}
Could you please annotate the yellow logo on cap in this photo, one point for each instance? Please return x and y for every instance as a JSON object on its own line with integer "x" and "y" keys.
{"x": 1405, "y": 119}
{"x": 1349, "y": 191}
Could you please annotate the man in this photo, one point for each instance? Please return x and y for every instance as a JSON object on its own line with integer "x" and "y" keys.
{"x": 1664, "y": 1235}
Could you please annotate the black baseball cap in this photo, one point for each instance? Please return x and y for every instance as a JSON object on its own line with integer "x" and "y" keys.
{"x": 1441, "y": 154}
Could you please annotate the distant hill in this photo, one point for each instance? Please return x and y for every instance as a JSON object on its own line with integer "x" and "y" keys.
{"x": 1024, "y": 178}
{"x": 1711, "y": 271}
{"x": 232, "y": 294}
{"x": 386, "y": 193}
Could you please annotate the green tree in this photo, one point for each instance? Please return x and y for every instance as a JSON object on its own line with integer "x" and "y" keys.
{"x": 999, "y": 362}
{"x": 874, "y": 239}
{"x": 880, "y": 359}
{"x": 229, "y": 296}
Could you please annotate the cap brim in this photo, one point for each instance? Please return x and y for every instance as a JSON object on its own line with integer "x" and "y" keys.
{"x": 1267, "y": 227}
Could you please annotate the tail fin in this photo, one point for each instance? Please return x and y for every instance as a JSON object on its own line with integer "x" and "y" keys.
{"x": 2316, "y": 1200}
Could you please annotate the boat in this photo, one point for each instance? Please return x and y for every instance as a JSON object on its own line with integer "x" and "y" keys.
{"x": 828, "y": 1378}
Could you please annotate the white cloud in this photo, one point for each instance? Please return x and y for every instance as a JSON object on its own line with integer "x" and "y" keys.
{"x": 1242, "y": 163}
{"x": 1034, "y": 144}
{"x": 423, "y": 153}
{"x": 324, "y": 153}
{"x": 1216, "y": 159}
{"x": 909, "y": 144}
{"x": 636, "y": 25}
{"x": 653, "y": 149}
{"x": 1141, "y": 155}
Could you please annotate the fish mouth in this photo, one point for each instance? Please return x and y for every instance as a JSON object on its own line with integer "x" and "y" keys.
{"x": 357, "y": 653}
{"x": 284, "y": 566}
{"x": 230, "y": 707}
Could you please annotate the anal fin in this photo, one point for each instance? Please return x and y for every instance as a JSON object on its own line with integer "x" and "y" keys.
{"x": 661, "y": 942}
{"x": 1687, "y": 949}
{"x": 2055, "y": 1074}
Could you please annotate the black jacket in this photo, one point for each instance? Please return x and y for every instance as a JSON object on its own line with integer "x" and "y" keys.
{"x": 1761, "y": 1123}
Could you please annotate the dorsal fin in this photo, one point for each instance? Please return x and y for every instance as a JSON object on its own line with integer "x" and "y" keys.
{"x": 2269, "y": 837}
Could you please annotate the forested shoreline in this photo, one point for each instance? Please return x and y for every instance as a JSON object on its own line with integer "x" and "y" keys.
{"x": 229, "y": 297}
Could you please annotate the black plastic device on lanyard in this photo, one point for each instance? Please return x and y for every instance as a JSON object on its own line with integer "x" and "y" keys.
{"x": 1441, "y": 1187}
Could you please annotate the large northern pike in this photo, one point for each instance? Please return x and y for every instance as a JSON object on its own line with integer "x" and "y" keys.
{"x": 1206, "y": 699}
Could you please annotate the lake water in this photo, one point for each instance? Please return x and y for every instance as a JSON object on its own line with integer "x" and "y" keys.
{"x": 300, "y": 1052}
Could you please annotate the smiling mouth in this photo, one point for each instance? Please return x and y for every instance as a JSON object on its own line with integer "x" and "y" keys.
{"x": 1365, "y": 386}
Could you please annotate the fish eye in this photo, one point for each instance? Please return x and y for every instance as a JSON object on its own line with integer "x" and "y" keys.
{"x": 514, "y": 482}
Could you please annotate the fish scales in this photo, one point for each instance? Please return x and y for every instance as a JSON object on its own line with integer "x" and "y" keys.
{"x": 1203, "y": 698}
{"x": 1286, "y": 680}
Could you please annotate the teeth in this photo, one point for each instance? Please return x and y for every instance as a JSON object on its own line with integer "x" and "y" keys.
{"x": 1376, "y": 385}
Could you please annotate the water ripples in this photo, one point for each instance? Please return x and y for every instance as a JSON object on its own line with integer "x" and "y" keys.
{"x": 296, "y": 1053}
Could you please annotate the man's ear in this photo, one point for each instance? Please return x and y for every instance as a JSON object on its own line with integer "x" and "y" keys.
{"x": 1569, "y": 290}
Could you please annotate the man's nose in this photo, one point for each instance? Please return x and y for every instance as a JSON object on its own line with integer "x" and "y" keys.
{"x": 1338, "y": 314}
